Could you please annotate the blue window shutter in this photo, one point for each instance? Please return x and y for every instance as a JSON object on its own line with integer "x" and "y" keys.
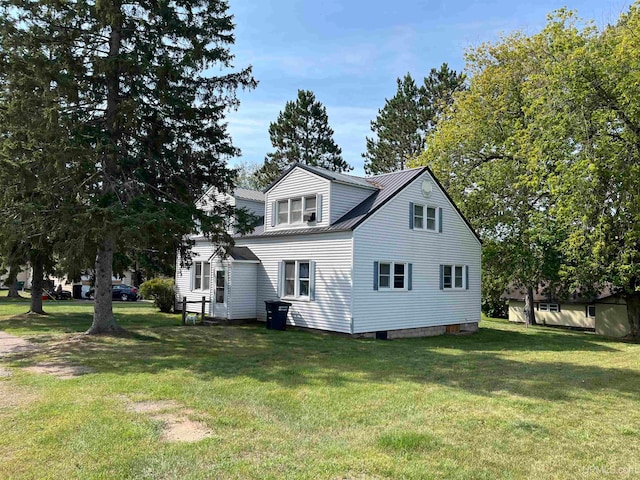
{"x": 318, "y": 208}
{"x": 466, "y": 273}
{"x": 410, "y": 215}
{"x": 410, "y": 276}
{"x": 273, "y": 214}
{"x": 375, "y": 275}
{"x": 440, "y": 219}
{"x": 312, "y": 280}
{"x": 441, "y": 277}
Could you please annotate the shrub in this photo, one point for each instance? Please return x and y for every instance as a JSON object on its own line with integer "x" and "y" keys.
{"x": 162, "y": 291}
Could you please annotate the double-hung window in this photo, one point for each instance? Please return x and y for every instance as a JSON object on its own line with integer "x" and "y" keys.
{"x": 283, "y": 211}
{"x": 297, "y": 210}
{"x": 424, "y": 217}
{"x": 392, "y": 276}
{"x": 453, "y": 277}
{"x": 201, "y": 276}
{"x": 297, "y": 279}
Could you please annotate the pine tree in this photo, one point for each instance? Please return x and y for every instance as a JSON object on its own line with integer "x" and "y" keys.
{"x": 403, "y": 123}
{"x": 301, "y": 134}
{"x": 143, "y": 113}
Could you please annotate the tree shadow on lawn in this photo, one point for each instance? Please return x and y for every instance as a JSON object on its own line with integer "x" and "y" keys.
{"x": 78, "y": 322}
{"x": 296, "y": 359}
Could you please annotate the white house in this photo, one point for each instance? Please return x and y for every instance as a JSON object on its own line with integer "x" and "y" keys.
{"x": 388, "y": 255}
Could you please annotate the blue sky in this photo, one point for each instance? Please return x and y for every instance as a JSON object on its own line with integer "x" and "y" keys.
{"x": 349, "y": 53}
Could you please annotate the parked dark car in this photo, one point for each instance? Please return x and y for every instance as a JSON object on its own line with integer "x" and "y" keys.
{"x": 118, "y": 292}
{"x": 57, "y": 295}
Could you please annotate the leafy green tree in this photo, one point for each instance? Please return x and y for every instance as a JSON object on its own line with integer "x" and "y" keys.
{"x": 134, "y": 90}
{"x": 301, "y": 134}
{"x": 482, "y": 153}
{"x": 405, "y": 119}
{"x": 592, "y": 101}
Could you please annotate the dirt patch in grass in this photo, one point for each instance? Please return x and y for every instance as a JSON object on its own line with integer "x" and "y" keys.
{"x": 4, "y": 372}
{"x": 176, "y": 426}
{"x": 61, "y": 370}
{"x": 12, "y": 396}
{"x": 11, "y": 345}
{"x": 152, "y": 406}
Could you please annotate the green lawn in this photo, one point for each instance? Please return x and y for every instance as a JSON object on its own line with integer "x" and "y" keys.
{"x": 504, "y": 403}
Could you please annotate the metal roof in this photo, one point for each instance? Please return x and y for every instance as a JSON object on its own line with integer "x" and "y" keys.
{"x": 386, "y": 187}
{"x": 324, "y": 173}
{"x": 242, "y": 253}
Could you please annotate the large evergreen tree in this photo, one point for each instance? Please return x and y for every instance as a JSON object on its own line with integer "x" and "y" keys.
{"x": 404, "y": 121}
{"x": 144, "y": 115}
{"x": 301, "y": 134}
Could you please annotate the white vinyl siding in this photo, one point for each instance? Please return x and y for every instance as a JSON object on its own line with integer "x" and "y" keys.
{"x": 257, "y": 208}
{"x": 385, "y": 236}
{"x": 297, "y": 184}
{"x": 241, "y": 290}
{"x": 201, "y": 252}
{"x": 331, "y": 254}
{"x": 344, "y": 198}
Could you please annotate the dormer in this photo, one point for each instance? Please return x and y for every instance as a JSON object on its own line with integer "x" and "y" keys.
{"x": 311, "y": 197}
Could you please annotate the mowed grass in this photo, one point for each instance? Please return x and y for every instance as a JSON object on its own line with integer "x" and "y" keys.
{"x": 504, "y": 403}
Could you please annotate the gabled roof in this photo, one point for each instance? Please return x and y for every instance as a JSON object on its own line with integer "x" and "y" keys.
{"x": 247, "y": 194}
{"x": 242, "y": 254}
{"x": 327, "y": 174}
{"x": 384, "y": 188}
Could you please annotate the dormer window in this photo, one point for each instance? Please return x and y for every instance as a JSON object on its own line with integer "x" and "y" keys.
{"x": 296, "y": 210}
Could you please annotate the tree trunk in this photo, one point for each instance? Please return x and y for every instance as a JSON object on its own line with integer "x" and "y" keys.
{"x": 37, "y": 265}
{"x": 103, "y": 321}
{"x": 633, "y": 315}
{"x": 12, "y": 282}
{"x": 529, "y": 311}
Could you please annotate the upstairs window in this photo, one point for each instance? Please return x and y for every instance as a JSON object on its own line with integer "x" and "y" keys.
{"x": 298, "y": 210}
{"x": 425, "y": 217}
{"x": 283, "y": 211}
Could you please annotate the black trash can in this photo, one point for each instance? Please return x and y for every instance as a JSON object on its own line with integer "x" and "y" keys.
{"x": 277, "y": 314}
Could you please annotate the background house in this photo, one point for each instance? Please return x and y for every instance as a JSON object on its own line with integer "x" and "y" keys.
{"x": 605, "y": 314}
{"x": 389, "y": 253}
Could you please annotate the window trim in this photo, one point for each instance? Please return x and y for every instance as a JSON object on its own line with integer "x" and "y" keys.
{"x": 224, "y": 287}
{"x": 194, "y": 278}
{"x": 587, "y": 311}
{"x": 453, "y": 267}
{"x": 425, "y": 218}
{"x": 296, "y": 283}
{"x": 392, "y": 265}
{"x": 303, "y": 206}
{"x": 547, "y": 307}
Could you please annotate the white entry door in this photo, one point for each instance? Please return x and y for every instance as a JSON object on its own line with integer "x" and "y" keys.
{"x": 220, "y": 293}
